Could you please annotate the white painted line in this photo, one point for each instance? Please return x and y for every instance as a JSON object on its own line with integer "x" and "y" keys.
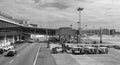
{"x": 11, "y": 61}
{"x": 34, "y": 63}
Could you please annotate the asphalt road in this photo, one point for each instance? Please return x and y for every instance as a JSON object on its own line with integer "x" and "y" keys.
{"x": 45, "y": 57}
{"x": 7, "y": 59}
{"x": 30, "y": 54}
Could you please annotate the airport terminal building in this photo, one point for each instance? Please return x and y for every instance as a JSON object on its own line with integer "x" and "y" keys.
{"x": 11, "y": 31}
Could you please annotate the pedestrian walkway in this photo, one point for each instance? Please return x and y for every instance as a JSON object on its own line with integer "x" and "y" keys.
{"x": 64, "y": 59}
{"x": 45, "y": 57}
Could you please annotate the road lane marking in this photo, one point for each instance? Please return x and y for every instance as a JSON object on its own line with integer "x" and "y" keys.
{"x": 34, "y": 63}
{"x": 11, "y": 61}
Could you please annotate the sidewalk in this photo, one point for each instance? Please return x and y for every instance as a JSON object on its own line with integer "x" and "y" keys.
{"x": 45, "y": 57}
{"x": 64, "y": 59}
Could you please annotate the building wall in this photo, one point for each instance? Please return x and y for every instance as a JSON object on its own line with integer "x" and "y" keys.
{"x": 97, "y": 31}
{"x": 66, "y": 31}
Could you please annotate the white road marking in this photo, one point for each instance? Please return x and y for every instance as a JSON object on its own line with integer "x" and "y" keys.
{"x": 11, "y": 61}
{"x": 34, "y": 63}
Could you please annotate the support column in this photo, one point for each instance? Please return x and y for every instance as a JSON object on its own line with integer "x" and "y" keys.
{"x": 13, "y": 40}
{"x": 101, "y": 35}
{"x": 5, "y": 40}
{"x": 18, "y": 38}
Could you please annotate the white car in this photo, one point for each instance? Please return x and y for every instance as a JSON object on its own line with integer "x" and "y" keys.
{"x": 11, "y": 53}
{"x": 5, "y": 48}
{"x": 8, "y": 48}
{"x": 11, "y": 47}
{"x": 57, "y": 50}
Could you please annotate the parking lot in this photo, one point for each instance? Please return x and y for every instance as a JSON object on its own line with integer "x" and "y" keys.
{"x": 112, "y": 58}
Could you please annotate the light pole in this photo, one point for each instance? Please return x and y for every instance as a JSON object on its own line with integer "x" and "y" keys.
{"x": 86, "y": 28}
{"x": 101, "y": 35}
{"x": 71, "y": 26}
{"x": 47, "y": 34}
{"x": 79, "y": 24}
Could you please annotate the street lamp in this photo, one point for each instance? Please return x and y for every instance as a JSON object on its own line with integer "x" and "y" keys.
{"x": 86, "y": 28}
{"x": 101, "y": 35}
{"x": 79, "y": 24}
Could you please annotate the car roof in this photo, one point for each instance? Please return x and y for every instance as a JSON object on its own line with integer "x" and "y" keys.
{"x": 12, "y": 50}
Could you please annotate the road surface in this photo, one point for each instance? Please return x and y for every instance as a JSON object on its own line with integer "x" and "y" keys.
{"x": 30, "y": 54}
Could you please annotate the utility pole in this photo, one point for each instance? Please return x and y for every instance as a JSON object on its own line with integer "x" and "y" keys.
{"x": 71, "y": 26}
{"x": 79, "y": 25}
{"x": 47, "y": 34}
{"x": 101, "y": 35}
{"x": 86, "y": 29}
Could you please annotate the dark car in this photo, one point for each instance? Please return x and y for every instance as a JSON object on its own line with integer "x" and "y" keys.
{"x": 90, "y": 50}
{"x": 116, "y": 47}
{"x": 78, "y": 50}
{"x": 19, "y": 42}
{"x": 1, "y": 50}
{"x": 103, "y": 50}
{"x": 11, "y": 53}
{"x": 53, "y": 39}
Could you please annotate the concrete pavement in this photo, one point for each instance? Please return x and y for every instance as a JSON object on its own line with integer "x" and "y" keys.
{"x": 28, "y": 53}
{"x": 21, "y": 50}
{"x": 64, "y": 59}
{"x": 45, "y": 57}
{"x": 7, "y": 59}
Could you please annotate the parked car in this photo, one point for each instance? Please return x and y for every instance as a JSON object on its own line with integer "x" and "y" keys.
{"x": 57, "y": 50}
{"x": 30, "y": 41}
{"x": 19, "y": 42}
{"x": 1, "y": 50}
{"x": 78, "y": 50}
{"x": 5, "y": 49}
{"x": 11, "y": 47}
{"x": 116, "y": 47}
{"x": 103, "y": 50}
{"x": 90, "y": 50}
{"x": 11, "y": 53}
{"x": 68, "y": 49}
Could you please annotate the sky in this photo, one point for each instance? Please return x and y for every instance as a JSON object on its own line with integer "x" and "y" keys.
{"x": 59, "y": 13}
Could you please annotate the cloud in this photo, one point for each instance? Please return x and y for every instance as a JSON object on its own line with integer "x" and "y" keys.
{"x": 56, "y": 5}
{"x": 63, "y": 12}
